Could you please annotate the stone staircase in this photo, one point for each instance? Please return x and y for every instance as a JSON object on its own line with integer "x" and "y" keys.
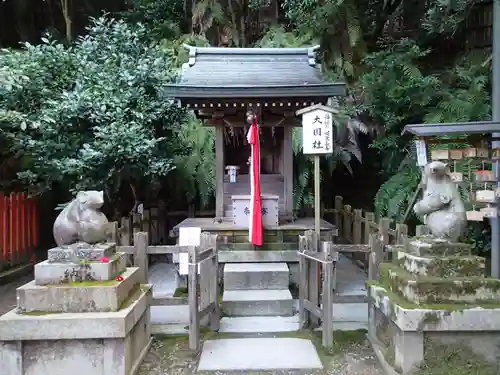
{"x": 257, "y": 290}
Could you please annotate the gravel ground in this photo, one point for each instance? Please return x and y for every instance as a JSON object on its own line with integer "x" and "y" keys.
{"x": 169, "y": 355}
{"x": 351, "y": 355}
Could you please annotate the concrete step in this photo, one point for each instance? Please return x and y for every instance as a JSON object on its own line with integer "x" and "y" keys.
{"x": 259, "y": 324}
{"x": 256, "y": 276}
{"x": 257, "y": 302}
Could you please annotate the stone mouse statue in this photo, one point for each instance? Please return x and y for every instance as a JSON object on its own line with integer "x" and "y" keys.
{"x": 441, "y": 204}
{"x": 81, "y": 220}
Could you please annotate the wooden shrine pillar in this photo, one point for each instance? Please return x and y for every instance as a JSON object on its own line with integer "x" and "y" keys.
{"x": 287, "y": 157}
{"x": 219, "y": 170}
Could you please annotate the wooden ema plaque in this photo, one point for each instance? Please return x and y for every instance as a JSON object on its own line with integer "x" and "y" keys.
{"x": 485, "y": 196}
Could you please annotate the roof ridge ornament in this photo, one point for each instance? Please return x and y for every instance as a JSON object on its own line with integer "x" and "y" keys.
{"x": 192, "y": 53}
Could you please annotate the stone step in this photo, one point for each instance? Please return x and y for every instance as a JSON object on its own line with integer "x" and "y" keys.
{"x": 256, "y": 276}
{"x": 259, "y": 324}
{"x": 259, "y": 354}
{"x": 257, "y": 302}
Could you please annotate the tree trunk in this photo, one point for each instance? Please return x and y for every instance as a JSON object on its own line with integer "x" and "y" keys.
{"x": 66, "y": 11}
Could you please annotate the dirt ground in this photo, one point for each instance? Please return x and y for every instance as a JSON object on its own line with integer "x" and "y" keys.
{"x": 8, "y": 293}
{"x": 351, "y": 355}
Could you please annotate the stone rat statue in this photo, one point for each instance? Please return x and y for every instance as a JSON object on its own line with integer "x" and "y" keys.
{"x": 81, "y": 220}
{"x": 441, "y": 203}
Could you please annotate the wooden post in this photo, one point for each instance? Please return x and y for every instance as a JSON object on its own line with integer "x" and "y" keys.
{"x": 314, "y": 275}
{"x": 154, "y": 226}
{"x": 369, "y": 218}
{"x": 327, "y": 297}
{"x": 347, "y": 224}
{"x": 357, "y": 227}
{"x": 207, "y": 241}
{"x": 339, "y": 206}
{"x": 376, "y": 257}
{"x": 194, "y": 310}
{"x": 401, "y": 233}
{"x": 125, "y": 231}
{"x": 140, "y": 255}
{"x": 214, "y": 292}
{"x": 287, "y": 155}
{"x": 421, "y": 230}
{"x": 383, "y": 229}
{"x": 136, "y": 223}
{"x": 304, "y": 320}
{"x": 146, "y": 220}
{"x": 317, "y": 198}
{"x": 219, "y": 170}
{"x": 112, "y": 232}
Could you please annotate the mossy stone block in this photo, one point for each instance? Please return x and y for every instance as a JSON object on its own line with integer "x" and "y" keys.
{"x": 445, "y": 267}
{"x": 436, "y": 290}
{"x": 425, "y": 246}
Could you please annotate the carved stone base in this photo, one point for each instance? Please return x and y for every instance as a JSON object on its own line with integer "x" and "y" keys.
{"x": 68, "y": 298}
{"x": 436, "y": 290}
{"x": 440, "y": 266}
{"x": 428, "y": 246}
{"x": 81, "y": 251}
{"x": 60, "y": 273}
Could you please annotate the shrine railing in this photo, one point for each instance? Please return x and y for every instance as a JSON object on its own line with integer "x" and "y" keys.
{"x": 203, "y": 282}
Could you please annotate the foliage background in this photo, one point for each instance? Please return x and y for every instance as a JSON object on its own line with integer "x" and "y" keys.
{"x": 82, "y": 107}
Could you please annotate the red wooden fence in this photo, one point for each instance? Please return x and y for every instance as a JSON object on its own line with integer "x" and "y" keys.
{"x": 19, "y": 229}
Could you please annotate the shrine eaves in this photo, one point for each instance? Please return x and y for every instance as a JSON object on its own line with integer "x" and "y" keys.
{"x": 216, "y": 77}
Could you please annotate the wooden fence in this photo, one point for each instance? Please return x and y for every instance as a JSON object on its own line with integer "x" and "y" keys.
{"x": 317, "y": 260}
{"x": 19, "y": 230}
{"x": 356, "y": 226}
{"x": 203, "y": 282}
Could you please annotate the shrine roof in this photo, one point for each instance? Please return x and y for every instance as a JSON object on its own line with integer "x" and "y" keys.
{"x": 457, "y": 128}
{"x": 214, "y": 72}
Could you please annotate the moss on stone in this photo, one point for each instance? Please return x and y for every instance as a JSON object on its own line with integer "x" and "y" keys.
{"x": 428, "y": 246}
{"x": 455, "y": 359}
{"x": 184, "y": 292}
{"x": 397, "y": 300}
{"x": 85, "y": 284}
{"x": 430, "y": 289}
{"x": 429, "y": 318}
{"x": 38, "y": 313}
{"x": 451, "y": 266}
{"x": 135, "y": 294}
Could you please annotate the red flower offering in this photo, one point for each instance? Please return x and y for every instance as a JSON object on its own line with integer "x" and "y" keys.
{"x": 119, "y": 278}
{"x": 104, "y": 260}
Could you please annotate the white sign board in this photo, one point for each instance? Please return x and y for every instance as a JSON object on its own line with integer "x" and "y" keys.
{"x": 421, "y": 152}
{"x": 317, "y": 132}
{"x": 188, "y": 236}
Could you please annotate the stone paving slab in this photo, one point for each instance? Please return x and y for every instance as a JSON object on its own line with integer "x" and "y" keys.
{"x": 259, "y": 354}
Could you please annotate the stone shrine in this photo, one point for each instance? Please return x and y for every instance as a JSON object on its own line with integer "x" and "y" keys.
{"x": 433, "y": 292}
{"x": 85, "y": 313}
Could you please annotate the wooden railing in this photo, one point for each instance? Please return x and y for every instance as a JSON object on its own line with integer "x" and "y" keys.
{"x": 203, "y": 286}
{"x": 150, "y": 221}
{"x": 19, "y": 230}
{"x": 317, "y": 261}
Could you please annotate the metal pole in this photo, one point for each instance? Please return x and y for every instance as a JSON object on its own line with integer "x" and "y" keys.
{"x": 495, "y": 105}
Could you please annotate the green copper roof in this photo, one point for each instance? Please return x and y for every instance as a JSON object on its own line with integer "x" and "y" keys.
{"x": 252, "y": 72}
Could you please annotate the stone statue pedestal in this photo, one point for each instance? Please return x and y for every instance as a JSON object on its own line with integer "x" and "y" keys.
{"x": 67, "y": 265}
{"x": 435, "y": 292}
{"x": 81, "y": 315}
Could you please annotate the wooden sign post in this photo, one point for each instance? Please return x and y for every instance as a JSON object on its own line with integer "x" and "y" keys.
{"x": 317, "y": 140}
